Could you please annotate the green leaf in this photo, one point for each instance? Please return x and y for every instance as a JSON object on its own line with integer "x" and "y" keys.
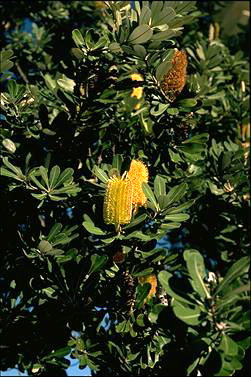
{"x": 164, "y": 17}
{"x": 120, "y": 327}
{"x": 145, "y": 272}
{"x": 140, "y": 235}
{"x": 15, "y": 169}
{"x": 173, "y": 111}
{"x": 115, "y": 48}
{"x": 44, "y": 173}
{"x": 149, "y": 194}
{"x": 100, "y": 174}
{"x": 136, "y": 221}
{"x": 163, "y": 69}
{"x": 140, "y": 320}
{"x": 54, "y": 231}
{"x": 228, "y": 346}
{"x": 180, "y": 208}
{"x": 9, "y": 174}
{"x": 117, "y": 162}
{"x": 188, "y": 102}
{"x": 163, "y": 35}
{"x": 5, "y": 54}
{"x": 175, "y": 157}
{"x": 98, "y": 261}
{"x": 65, "y": 177}
{"x": 142, "y": 292}
{"x": 93, "y": 229}
{"x": 57, "y": 198}
{"x": 193, "y": 148}
{"x": 175, "y": 194}
{"x": 145, "y": 15}
{"x": 39, "y": 196}
{"x": 37, "y": 183}
{"x": 66, "y": 83}
{"x": 110, "y": 343}
{"x": 155, "y": 311}
{"x": 12, "y": 88}
{"x": 186, "y": 314}
{"x": 196, "y": 269}
{"x": 159, "y": 186}
{"x": 132, "y": 356}
{"x": 156, "y": 8}
{"x": 78, "y": 38}
{"x": 170, "y": 226}
{"x": 140, "y": 34}
{"x": 159, "y": 109}
{"x": 140, "y": 51}
{"x": 59, "y": 353}
{"x": 54, "y": 174}
{"x": 177, "y": 217}
{"x": 164, "y": 277}
{"x": 6, "y": 65}
{"x": 238, "y": 268}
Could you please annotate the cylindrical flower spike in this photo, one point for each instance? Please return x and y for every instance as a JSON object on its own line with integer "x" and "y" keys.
{"x": 174, "y": 81}
{"x": 137, "y": 92}
{"x": 138, "y": 173}
{"x": 118, "y": 201}
{"x": 154, "y": 283}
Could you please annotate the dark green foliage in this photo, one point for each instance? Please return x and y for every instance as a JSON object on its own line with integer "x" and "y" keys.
{"x": 69, "y": 122}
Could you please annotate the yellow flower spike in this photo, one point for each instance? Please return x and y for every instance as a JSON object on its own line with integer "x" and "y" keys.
{"x": 136, "y": 77}
{"x": 118, "y": 201}
{"x": 154, "y": 283}
{"x": 138, "y": 173}
{"x": 137, "y": 92}
{"x": 175, "y": 79}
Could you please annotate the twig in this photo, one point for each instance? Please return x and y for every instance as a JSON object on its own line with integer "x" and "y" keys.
{"x": 22, "y": 74}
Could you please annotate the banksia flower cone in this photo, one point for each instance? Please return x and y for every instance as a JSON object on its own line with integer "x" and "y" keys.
{"x": 137, "y": 92}
{"x": 153, "y": 281}
{"x": 174, "y": 81}
{"x": 138, "y": 173}
{"x": 118, "y": 201}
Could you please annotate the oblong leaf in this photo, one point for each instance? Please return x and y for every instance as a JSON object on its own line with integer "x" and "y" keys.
{"x": 175, "y": 194}
{"x": 54, "y": 231}
{"x": 77, "y": 37}
{"x": 164, "y": 277}
{"x": 163, "y": 69}
{"x": 136, "y": 221}
{"x": 98, "y": 261}
{"x": 140, "y": 51}
{"x": 44, "y": 173}
{"x": 100, "y": 174}
{"x": 59, "y": 353}
{"x": 93, "y": 229}
{"x": 177, "y": 217}
{"x": 159, "y": 186}
{"x": 64, "y": 177}
{"x": 196, "y": 269}
{"x": 54, "y": 174}
{"x": 186, "y": 314}
{"x": 149, "y": 194}
{"x": 180, "y": 208}
{"x": 140, "y": 34}
{"x": 142, "y": 292}
{"x": 236, "y": 270}
{"x": 7, "y": 173}
{"x": 145, "y": 15}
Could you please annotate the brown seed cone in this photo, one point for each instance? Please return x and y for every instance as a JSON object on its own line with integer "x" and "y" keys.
{"x": 174, "y": 81}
